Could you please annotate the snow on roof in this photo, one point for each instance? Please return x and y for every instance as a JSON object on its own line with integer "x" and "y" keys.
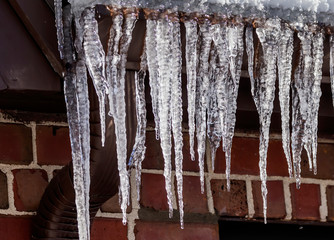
{"x": 290, "y": 10}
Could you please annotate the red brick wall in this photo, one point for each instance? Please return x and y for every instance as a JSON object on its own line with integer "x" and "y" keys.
{"x": 30, "y": 153}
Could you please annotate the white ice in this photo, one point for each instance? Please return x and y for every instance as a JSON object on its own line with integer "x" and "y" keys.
{"x": 269, "y": 36}
{"x": 151, "y": 51}
{"x": 191, "y": 65}
{"x": 164, "y": 42}
{"x": 202, "y": 91}
{"x": 285, "y": 51}
{"x": 95, "y": 61}
{"x": 176, "y": 110}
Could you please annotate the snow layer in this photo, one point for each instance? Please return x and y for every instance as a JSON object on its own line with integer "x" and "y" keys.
{"x": 290, "y": 10}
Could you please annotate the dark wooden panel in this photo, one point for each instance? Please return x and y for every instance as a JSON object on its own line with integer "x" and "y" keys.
{"x": 22, "y": 64}
{"x": 39, "y": 20}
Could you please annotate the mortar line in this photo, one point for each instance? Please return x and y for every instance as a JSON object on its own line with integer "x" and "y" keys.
{"x": 56, "y": 124}
{"x": 287, "y": 199}
{"x": 10, "y": 182}
{"x": 34, "y": 144}
{"x": 208, "y": 175}
{"x": 16, "y": 213}
{"x": 323, "y": 210}
{"x": 135, "y": 206}
{"x": 250, "y": 200}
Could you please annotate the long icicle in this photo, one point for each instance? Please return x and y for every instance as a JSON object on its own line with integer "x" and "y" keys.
{"x": 285, "y": 52}
{"x": 112, "y": 57}
{"x": 164, "y": 40}
{"x": 176, "y": 111}
{"x": 95, "y": 61}
{"x": 236, "y": 49}
{"x": 301, "y": 95}
{"x": 214, "y": 130}
{"x": 151, "y": 45}
{"x": 304, "y": 90}
{"x": 318, "y": 53}
{"x": 297, "y": 125}
{"x": 83, "y": 111}
{"x": 202, "y": 89}
{"x": 223, "y": 74}
{"x": 249, "y": 40}
{"x": 268, "y": 35}
{"x": 120, "y": 113}
{"x": 75, "y": 92}
{"x": 191, "y": 65}
{"x": 138, "y": 153}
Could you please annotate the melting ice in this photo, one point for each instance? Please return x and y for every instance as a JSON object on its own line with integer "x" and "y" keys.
{"x": 213, "y": 57}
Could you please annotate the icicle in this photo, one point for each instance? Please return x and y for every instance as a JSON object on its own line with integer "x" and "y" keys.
{"x": 306, "y": 98}
{"x": 191, "y": 64}
{"x": 58, "y": 4}
{"x": 138, "y": 153}
{"x": 269, "y": 36}
{"x": 94, "y": 55}
{"x": 113, "y": 57}
{"x": 152, "y": 56}
{"x": 213, "y": 123}
{"x": 119, "y": 108}
{"x": 235, "y": 54}
{"x": 75, "y": 90}
{"x": 297, "y": 124}
{"x": 202, "y": 89}
{"x": 318, "y": 53}
{"x": 164, "y": 41}
{"x": 284, "y": 71}
{"x": 176, "y": 110}
{"x": 250, "y": 53}
{"x": 331, "y": 64}
{"x": 303, "y": 89}
{"x": 83, "y": 112}
{"x": 223, "y": 74}
{"x": 78, "y": 175}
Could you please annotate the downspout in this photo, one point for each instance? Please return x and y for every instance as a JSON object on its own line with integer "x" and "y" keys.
{"x": 56, "y": 216}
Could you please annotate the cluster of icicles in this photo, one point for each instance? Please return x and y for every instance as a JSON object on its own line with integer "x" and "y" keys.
{"x": 213, "y": 53}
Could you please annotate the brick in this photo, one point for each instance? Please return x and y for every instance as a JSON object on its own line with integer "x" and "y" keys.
{"x": 16, "y": 144}
{"x": 305, "y": 201}
{"x": 169, "y": 231}
{"x": 3, "y": 191}
{"x": 107, "y": 228}
{"x": 28, "y": 186}
{"x": 275, "y": 199}
{"x": 53, "y": 145}
{"x": 330, "y": 202}
{"x": 153, "y": 156}
{"x": 233, "y": 203}
{"x": 153, "y": 193}
{"x": 325, "y": 159}
{"x": 112, "y": 205}
{"x": 245, "y": 158}
{"x": 194, "y": 201}
{"x": 15, "y": 228}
